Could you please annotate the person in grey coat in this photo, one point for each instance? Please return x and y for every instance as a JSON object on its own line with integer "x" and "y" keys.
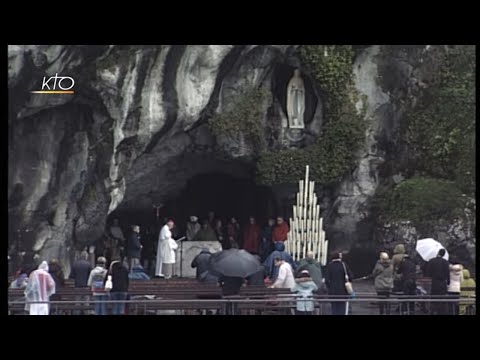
{"x": 304, "y": 287}
{"x": 383, "y": 275}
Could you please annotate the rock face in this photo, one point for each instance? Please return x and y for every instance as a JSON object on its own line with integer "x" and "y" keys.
{"x": 136, "y": 130}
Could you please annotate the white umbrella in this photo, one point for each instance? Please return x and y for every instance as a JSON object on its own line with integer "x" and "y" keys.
{"x": 428, "y": 249}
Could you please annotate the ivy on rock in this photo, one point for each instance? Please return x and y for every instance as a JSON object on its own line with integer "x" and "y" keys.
{"x": 333, "y": 153}
{"x": 244, "y": 119}
{"x": 441, "y": 129}
{"x": 440, "y": 134}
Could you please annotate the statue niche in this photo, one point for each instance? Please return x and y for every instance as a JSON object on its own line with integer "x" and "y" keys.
{"x": 296, "y": 101}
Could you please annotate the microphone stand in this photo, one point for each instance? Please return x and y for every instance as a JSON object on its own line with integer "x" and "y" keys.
{"x": 181, "y": 255}
{"x": 181, "y": 259}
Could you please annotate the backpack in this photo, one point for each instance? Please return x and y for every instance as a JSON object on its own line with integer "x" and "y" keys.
{"x": 98, "y": 283}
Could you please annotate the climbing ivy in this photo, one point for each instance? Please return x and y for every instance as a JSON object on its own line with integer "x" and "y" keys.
{"x": 331, "y": 66}
{"x": 420, "y": 200}
{"x": 244, "y": 119}
{"x": 441, "y": 128}
{"x": 440, "y": 135}
{"x": 333, "y": 153}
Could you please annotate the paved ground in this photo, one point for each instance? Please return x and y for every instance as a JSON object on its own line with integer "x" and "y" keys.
{"x": 364, "y": 308}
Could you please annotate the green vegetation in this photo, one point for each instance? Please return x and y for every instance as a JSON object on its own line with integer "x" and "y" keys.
{"x": 333, "y": 154}
{"x": 420, "y": 200}
{"x": 441, "y": 129}
{"x": 243, "y": 120}
{"x": 440, "y": 134}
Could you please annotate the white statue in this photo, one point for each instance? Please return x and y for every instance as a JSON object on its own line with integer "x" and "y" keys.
{"x": 296, "y": 101}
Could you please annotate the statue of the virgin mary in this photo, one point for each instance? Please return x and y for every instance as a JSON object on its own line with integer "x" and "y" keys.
{"x": 296, "y": 101}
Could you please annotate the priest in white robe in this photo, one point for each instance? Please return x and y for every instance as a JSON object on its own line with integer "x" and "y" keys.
{"x": 164, "y": 248}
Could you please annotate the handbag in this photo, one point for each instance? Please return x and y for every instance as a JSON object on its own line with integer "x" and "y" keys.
{"x": 108, "y": 283}
{"x": 348, "y": 284}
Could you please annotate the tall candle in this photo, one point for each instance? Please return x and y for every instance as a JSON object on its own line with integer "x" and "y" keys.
{"x": 325, "y": 254}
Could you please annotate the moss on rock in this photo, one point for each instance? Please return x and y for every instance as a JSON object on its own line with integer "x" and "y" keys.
{"x": 333, "y": 153}
{"x": 243, "y": 120}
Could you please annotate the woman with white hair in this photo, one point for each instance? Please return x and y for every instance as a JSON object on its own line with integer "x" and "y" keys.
{"x": 383, "y": 275}
{"x": 40, "y": 287}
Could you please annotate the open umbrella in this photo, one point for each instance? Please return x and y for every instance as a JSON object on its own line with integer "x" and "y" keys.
{"x": 234, "y": 263}
{"x": 428, "y": 249}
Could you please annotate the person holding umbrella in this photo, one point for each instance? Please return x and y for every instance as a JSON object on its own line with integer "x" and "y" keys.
{"x": 232, "y": 266}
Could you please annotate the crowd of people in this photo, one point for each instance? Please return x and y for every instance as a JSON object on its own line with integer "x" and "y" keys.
{"x": 399, "y": 276}
{"x": 118, "y": 256}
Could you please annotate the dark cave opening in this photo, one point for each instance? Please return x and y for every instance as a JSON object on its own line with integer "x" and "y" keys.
{"x": 224, "y": 194}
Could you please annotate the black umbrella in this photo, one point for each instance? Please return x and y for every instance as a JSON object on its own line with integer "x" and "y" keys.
{"x": 234, "y": 263}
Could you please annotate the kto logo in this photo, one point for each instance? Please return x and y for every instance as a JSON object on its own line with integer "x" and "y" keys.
{"x": 59, "y": 85}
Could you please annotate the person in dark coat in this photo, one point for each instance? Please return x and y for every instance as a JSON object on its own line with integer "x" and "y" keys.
{"x": 55, "y": 270}
{"x": 120, "y": 283}
{"x": 134, "y": 246}
{"x": 211, "y": 219}
{"x": 335, "y": 281}
{"x": 439, "y": 270}
{"x": 271, "y": 270}
{"x": 266, "y": 245}
{"x": 230, "y": 286}
{"x": 233, "y": 233}
{"x": 201, "y": 263}
{"x": 257, "y": 278}
{"x": 80, "y": 273}
{"x": 408, "y": 275}
{"x": 148, "y": 251}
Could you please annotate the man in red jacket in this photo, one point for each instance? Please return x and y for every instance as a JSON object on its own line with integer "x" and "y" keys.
{"x": 251, "y": 236}
{"x": 280, "y": 232}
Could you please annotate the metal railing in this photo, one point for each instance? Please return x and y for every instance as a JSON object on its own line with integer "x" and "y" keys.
{"x": 279, "y": 305}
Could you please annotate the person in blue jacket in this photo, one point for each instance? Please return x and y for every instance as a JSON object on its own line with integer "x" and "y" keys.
{"x": 271, "y": 271}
